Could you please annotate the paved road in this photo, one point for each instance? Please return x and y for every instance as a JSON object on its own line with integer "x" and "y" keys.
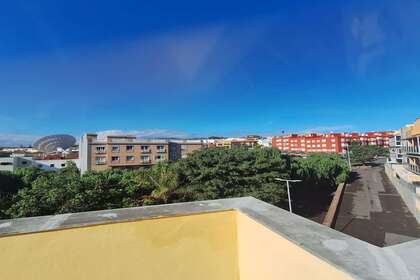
{"x": 372, "y": 209}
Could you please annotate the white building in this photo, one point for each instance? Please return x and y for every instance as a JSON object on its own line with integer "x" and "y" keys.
{"x": 395, "y": 148}
{"x": 20, "y": 161}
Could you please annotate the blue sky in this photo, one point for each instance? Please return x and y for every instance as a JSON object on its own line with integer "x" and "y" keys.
{"x": 199, "y": 68}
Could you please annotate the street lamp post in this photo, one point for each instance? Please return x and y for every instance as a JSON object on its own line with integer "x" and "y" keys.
{"x": 288, "y": 189}
{"x": 348, "y": 156}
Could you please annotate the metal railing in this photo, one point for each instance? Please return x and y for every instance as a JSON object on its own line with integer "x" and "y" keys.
{"x": 411, "y": 149}
{"x": 413, "y": 168}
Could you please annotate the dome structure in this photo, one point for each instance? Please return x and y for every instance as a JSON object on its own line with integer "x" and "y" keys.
{"x": 51, "y": 143}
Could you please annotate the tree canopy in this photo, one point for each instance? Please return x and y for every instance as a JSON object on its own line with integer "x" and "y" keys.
{"x": 363, "y": 154}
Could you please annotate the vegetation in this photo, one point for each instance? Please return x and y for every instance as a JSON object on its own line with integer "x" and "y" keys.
{"x": 208, "y": 174}
{"x": 363, "y": 154}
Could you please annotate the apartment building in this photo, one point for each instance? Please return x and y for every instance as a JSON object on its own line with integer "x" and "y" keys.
{"x": 329, "y": 142}
{"x": 310, "y": 143}
{"x": 395, "y": 148}
{"x": 15, "y": 161}
{"x": 248, "y": 142}
{"x": 189, "y": 146}
{"x": 410, "y": 135}
{"x": 124, "y": 152}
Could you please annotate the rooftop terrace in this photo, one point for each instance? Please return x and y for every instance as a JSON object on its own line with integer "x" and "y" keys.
{"x": 240, "y": 238}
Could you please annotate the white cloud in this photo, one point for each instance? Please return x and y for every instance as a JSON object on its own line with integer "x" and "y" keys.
{"x": 145, "y": 134}
{"x": 15, "y": 139}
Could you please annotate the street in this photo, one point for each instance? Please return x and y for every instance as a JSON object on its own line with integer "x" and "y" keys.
{"x": 373, "y": 211}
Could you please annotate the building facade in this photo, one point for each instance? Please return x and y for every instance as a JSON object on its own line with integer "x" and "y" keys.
{"x": 410, "y": 136}
{"x": 15, "y": 161}
{"x": 329, "y": 142}
{"x": 395, "y": 148}
{"x": 124, "y": 152}
{"x": 189, "y": 146}
{"x": 248, "y": 142}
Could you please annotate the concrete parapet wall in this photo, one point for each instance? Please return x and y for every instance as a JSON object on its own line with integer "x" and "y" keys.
{"x": 331, "y": 216}
{"x": 409, "y": 192}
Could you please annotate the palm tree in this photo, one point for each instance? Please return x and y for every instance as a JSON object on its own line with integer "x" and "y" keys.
{"x": 164, "y": 181}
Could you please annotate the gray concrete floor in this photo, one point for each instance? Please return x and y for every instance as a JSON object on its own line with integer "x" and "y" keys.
{"x": 373, "y": 211}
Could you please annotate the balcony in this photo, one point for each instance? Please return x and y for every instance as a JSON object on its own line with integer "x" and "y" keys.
{"x": 241, "y": 238}
{"x": 413, "y": 168}
{"x": 161, "y": 150}
{"x": 146, "y": 151}
{"x": 414, "y": 150}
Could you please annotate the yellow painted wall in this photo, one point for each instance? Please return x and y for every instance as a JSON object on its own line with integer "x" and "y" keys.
{"x": 265, "y": 255}
{"x": 195, "y": 247}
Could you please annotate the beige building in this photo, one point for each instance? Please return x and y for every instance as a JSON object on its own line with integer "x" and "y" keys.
{"x": 411, "y": 146}
{"x": 124, "y": 151}
{"x": 190, "y": 146}
{"x": 236, "y": 142}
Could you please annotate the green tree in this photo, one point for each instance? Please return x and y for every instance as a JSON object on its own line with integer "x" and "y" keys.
{"x": 363, "y": 154}
{"x": 320, "y": 170}
{"x": 224, "y": 173}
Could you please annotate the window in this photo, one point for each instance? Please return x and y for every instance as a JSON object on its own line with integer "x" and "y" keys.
{"x": 63, "y": 165}
{"x": 115, "y": 149}
{"x": 52, "y": 165}
{"x": 145, "y": 158}
{"x": 159, "y": 158}
{"x": 6, "y": 163}
{"x": 129, "y": 148}
{"x": 114, "y": 159}
{"x": 130, "y": 158}
{"x": 100, "y": 149}
{"x": 160, "y": 148}
{"x": 144, "y": 148}
{"x": 100, "y": 160}
{"x": 24, "y": 162}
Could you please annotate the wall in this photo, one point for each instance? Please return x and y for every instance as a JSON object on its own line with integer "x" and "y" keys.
{"x": 406, "y": 190}
{"x": 201, "y": 246}
{"x": 7, "y": 164}
{"x": 263, "y": 254}
{"x": 58, "y": 163}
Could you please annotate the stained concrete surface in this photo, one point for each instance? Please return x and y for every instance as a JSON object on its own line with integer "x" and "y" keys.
{"x": 373, "y": 211}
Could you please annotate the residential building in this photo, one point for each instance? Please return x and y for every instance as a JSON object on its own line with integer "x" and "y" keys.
{"x": 411, "y": 147}
{"x": 405, "y": 173}
{"x": 329, "y": 142}
{"x": 124, "y": 152}
{"x": 248, "y": 142}
{"x": 15, "y": 161}
{"x": 189, "y": 146}
{"x": 265, "y": 142}
{"x": 395, "y": 148}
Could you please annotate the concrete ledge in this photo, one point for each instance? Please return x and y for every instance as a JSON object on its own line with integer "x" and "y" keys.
{"x": 331, "y": 216}
{"x": 356, "y": 258}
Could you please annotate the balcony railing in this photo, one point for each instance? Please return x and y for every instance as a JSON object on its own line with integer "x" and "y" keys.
{"x": 147, "y": 151}
{"x": 413, "y": 168}
{"x": 412, "y": 149}
{"x": 161, "y": 150}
